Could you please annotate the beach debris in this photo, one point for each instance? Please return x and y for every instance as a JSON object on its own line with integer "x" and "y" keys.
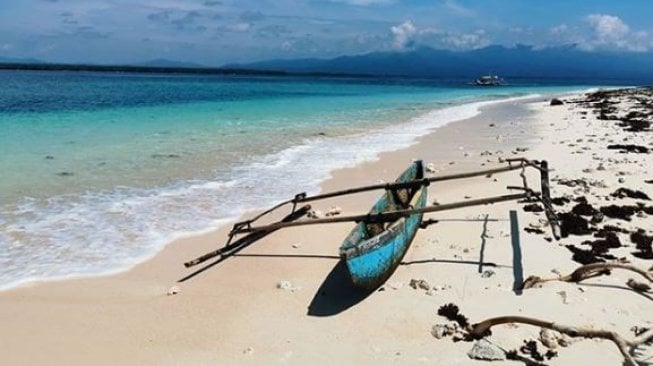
{"x": 314, "y": 214}
{"x": 556, "y": 101}
{"x": 560, "y": 201}
{"x": 549, "y": 338}
{"x": 573, "y": 224}
{"x": 286, "y": 286}
{"x": 584, "y": 209}
{"x": 333, "y": 211}
{"x": 619, "y": 212}
{"x": 430, "y": 168}
{"x": 573, "y": 183}
{"x": 297, "y": 245}
{"x": 394, "y": 285}
{"x": 174, "y": 290}
{"x": 601, "y": 167}
{"x": 625, "y": 346}
{"x": 638, "y": 286}
{"x": 248, "y": 351}
{"x": 590, "y": 256}
{"x": 637, "y": 149}
{"x": 532, "y": 230}
{"x": 521, "y": 149}
{"x": 420, "y": 284}
{"x": 452, "y": 313}
{"x": 487, "y": 273}
{"x": 589, "y": 271}
{"x": 643, "y": 243}
{"x": 534, "y": 207}
{"x": 563, "y": 295}
{"x": 487, "y": 351}
{"x": 440, "y": 331}
{"x": 626, "y": 192}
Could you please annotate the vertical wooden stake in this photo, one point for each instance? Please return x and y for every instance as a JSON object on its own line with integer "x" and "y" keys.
{"x": 517, "y": 268}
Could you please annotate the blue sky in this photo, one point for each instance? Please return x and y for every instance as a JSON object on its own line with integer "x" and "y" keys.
{"x": 214, "y": 32}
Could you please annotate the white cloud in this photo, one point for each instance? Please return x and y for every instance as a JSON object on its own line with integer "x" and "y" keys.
{"x": 559, "y": 29}
{"x": 407, "y": 35}
{"x": 466, "y": 40}
{"x": 609, "y": 31}
{"x": 608, "y": 28}
{"x": 404, "y": 34}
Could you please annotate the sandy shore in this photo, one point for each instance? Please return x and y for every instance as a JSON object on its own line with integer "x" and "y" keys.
{"x": 234, "y": 313}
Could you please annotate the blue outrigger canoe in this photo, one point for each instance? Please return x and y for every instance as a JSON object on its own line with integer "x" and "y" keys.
{"x": 372, "y": 251}
{"x": 377, "y": 244}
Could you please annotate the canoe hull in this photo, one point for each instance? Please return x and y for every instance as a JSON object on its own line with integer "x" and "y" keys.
{"x": 372, "y": 260}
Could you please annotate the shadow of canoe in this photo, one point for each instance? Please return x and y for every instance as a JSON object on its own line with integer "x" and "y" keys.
{"x": 336, "y": 294}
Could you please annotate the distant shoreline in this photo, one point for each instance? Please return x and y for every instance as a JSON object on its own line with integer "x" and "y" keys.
{"x": 171, "y": 70}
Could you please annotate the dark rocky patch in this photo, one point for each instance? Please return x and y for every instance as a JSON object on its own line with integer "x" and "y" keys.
{"x": 619, "y": 212}
{"x": 584, "y": 209}
{"x": 644, "y": 244}
{"x": 584, "y": 256}
{"x": 637, "y": 149}
{"x": 452, "y": 313}
{"x": 533, "y": 208}
{"x": 602, "y": 246}
{"x": 556, "y": 101}
{"x": 627, "y": 192}
{"x": 646, "y": 209}
{"x": 560, "y": 201}
{"x": 635, "y": 125}
{"x": 65, "y": 174}
{"x": 573, "y": 182}
{"x": 649, "y": 181}
{"x": 614, "y": 229}
{"x": 572, "y": 224}
{"x": 596, "y": 218}
{"x": 530, "y": 348}
{"x": 49, "y": 157}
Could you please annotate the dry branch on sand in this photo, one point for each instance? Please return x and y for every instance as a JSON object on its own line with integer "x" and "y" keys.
{"x": 590, "y": 271}
{"x": 625, "y": 346}
{"x": 482, "y": 329}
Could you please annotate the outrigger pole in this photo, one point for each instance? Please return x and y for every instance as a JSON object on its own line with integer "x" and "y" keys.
{"x": 257, "y": 232}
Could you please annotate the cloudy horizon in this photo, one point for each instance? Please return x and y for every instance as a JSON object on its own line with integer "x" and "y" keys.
{"x": 215, "y": 32}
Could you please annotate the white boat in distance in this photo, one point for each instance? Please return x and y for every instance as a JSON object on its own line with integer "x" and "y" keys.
{"x": 488, "y": 80}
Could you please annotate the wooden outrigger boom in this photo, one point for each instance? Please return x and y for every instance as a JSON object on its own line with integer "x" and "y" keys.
{"x": 412, "y": 185}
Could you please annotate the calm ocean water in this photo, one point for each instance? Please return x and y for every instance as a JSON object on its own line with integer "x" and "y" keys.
{"x": 99, "y": 171}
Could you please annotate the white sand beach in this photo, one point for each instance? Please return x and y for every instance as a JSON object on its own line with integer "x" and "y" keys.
{"x": 235, "y": 314}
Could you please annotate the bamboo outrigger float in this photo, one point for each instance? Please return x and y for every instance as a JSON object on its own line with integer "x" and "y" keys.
{"x": 380, "y": 239}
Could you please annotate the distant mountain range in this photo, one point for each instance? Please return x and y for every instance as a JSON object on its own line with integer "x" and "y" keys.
{"x": 568, "y": 62}
{"x": 162, "y": 62}
{"x": 13, "y": 60}
{"x": 520, "y": 61}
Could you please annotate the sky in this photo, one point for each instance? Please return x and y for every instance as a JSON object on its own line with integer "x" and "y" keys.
{"x": 216, "y": 32}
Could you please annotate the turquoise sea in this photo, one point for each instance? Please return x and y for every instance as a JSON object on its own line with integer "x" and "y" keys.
{"x": 100, "y": 171}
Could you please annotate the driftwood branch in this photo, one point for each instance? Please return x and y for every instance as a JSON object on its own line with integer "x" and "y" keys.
{"x": 588, "y": 271}
{"x": 625, "y": 345}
